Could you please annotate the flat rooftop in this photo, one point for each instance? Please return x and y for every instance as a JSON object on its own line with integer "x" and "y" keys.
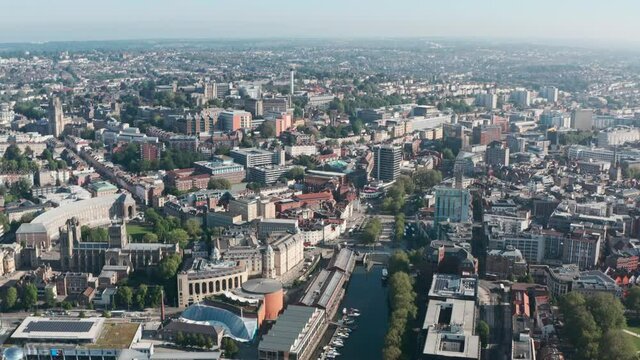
{"x": 449, "y": 325}
{"x": 453, "y": 286}
{"x": 116, "y": 335}
{"x": 35, "y": 328}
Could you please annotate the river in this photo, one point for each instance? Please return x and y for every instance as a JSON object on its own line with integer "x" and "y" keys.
{"x": 366, "y": 293}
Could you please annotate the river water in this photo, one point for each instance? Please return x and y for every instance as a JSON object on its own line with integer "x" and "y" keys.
{"x": 366, "y": 293}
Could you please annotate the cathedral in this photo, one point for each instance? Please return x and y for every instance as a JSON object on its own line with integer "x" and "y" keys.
{"x": 82, "y": 256}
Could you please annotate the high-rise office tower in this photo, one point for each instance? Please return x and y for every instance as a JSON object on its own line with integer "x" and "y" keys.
{"x": 56, "y": 117}
{"x": 452, "y": 204}
{"x": 582, "y": 119}
{"x": 387, "y": 158}
{"x": 550, "y": 93}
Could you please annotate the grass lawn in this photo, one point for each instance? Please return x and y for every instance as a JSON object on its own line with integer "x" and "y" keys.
{"x": 137, "y": 231}
{"x": 116, "y": 335}
{"x": 635, "y": 340}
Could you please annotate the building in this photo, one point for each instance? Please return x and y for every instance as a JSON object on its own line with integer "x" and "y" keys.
{"x": 200, "y": 278}
{"x": 102, "y": 188}
{"x": 506, "y": 263}
{"x": 271, "y": 293}
{"x": 485, "y": 134}
{"x": 245, "y": 207}
{"x": 268, "y": 226}
{"x": 532, "y": 246}
{"x": 522, "y": 98}
{"x": 149, "y": 151}
{"x": 450, "y": 330}
{"x": 6, "y": 115}
{"x": 92, "y": 256}
{"x": 222, "y": 168}
{"x": 582, "y": 249}
{"x": 267, "y": 174}
{"x": 618, "y": 136}
{"x": 550, "y": 93}
{"x": 582, "y": 119}
{"x": 447, "y": 286}
{"x": 497, "y": 154}
{"x": 56, "y": 117}
{"x": 91, "y": 212}
{"x": 566, "y": 278}
{"x": 288, "y": 252}
{"x": 253, "y": 157}
{"x": 295, "y": 335}
{"x": 387, "y": 160}
{"x": 452, "y": 204}
{"x": 488, "y": 101}
{"x": 234, "y": 120}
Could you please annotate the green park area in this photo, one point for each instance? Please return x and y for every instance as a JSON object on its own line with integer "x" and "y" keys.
{"x": 137, "y": 231}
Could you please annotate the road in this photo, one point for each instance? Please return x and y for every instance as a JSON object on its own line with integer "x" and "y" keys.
{"x": 497, "y": 314}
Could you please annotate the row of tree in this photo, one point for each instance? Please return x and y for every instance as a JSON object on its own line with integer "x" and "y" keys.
{"x": 129, "y": 158}
{"x": 194, "y": 340}
{"x": 593, "y": 325}
{"x": 28, "y": 297}
{"x": 140, "y": 298}
{"x": 402, "y": 298}
{"x": 371, "y": 231}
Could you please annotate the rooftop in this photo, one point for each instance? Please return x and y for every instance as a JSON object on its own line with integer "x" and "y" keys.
{"x": 46, "y": 329}
{"x": 284, "y": 335}
{"x": 453, "y": 286}
{"x": 117, "y": 335}
{"x": 261, "y": 286}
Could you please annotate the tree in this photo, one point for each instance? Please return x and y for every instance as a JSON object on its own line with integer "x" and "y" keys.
{"x": 296, "y": 173}
{"x": 82, "y": 314}
{"x": 10, "y": 298}
{"x": 168, "y": 266}
{"x": 124, "y": 296}
{"x": 607, "y": 311}
{"x": 526, "y": 279}
{"x": 229, "y": 347}
{"x": 150, "y": 238}
{"x": 106, "y": 314}
{"x": 29, "y": 296}
{"x": 371, "y": 231}
{"x": 178, "y": 236}
{"x": 267, "y": 129}
{"x": 219, "y": 184}
{"x": 180, "y": 339}
{"x": 580, "y": 327}
{"x": 482, "y": 329}
{"x": 447, "y": 154}
{"x": 399, "y": 261}
{"x": 617, "y": 345}
{"x": 154, "y": 297}
{"x": 427, "y": 178}
{"x": 305, "y": 161}
{"x": 49, "y": 298}
{"x": 141, "y": 296}
{"x": 209, "y": 343}
{"x": 194, "y": 229}
{"x": 632, "y": 302}
{"x": 66, "y": 305}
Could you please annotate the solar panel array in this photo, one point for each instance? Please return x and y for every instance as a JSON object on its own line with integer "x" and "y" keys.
{"x": 59, "y": 326}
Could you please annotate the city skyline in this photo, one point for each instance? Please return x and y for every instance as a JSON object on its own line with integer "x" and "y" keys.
{"x": 73, "y": 20}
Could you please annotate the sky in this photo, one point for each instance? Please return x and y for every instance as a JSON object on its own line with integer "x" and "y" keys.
{"x": 68, "y": 20}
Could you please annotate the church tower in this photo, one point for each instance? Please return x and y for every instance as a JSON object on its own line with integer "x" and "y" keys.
{"x": 56, "y": 117}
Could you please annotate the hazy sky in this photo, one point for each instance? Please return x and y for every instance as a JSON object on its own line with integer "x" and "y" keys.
{"x": 48, "y": 20}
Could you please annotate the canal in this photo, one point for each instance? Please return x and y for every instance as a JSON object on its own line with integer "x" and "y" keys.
{"x": 366, "y": 293}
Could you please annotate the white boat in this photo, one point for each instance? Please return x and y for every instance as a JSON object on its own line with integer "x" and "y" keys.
{"x": 385, "y": 273}
{"x": 337, "y": 344}
{"x": 354, "y": 313}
